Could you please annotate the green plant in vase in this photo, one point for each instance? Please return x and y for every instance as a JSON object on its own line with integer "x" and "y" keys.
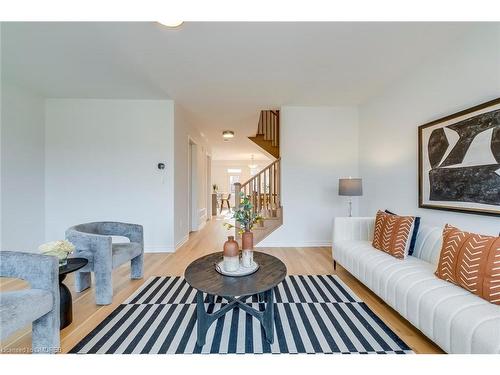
{"x": 244, "y": 215}
{"x": 247, "y": 218}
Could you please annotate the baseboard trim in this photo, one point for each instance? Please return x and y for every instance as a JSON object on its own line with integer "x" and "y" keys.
{"x": 181, "y": 242}
{"x": 158, "y": 249}
{"x": 202, "y": 224}
{"x": 265, "y": 243}
{"x": 167, "y": 249}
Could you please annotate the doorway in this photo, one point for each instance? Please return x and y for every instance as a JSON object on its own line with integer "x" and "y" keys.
{"x": 209, "y": 186}
{"x": 193, "y": 186}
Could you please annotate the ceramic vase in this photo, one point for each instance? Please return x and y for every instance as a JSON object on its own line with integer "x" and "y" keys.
{"x": 247, "y": 240}
{"x": 247, "y": 246}
{"x": 231, "y": 255}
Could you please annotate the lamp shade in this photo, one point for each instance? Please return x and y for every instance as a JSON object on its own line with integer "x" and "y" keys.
{"x": 350, "y": 187}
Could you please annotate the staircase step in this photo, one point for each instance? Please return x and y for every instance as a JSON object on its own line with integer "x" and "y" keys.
{"x": 269, "y": 228}
{"x": 258, "y": 228}
{"x": 272, "y": 218}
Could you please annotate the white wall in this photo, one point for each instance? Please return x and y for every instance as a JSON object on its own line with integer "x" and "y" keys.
{"x": 101, "y": 164}
{"x": 22, "y": 169}
{"x": 201, "y": 184}
{"x": 184, "y": 130}
{"x": 318, "y": 146}
{"x": 465, "y": 74}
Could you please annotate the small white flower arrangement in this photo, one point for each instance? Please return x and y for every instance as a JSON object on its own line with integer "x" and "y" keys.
{"x": 60, "y": 249}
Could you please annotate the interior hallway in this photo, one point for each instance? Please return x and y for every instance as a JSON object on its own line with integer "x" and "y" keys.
{"x": 318, "y": 260}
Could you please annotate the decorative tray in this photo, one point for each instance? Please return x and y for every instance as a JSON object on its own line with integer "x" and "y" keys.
{"x": 242, "y": 271}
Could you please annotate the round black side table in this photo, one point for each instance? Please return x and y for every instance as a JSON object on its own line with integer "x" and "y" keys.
{"x": 66, "y": 302}
{"x": 203, "y": 277}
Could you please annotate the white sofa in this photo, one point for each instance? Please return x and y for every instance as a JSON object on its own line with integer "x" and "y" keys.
{"x": 455, "y": 319}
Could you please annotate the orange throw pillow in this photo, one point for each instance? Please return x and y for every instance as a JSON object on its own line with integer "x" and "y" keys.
{"x": 471, "y": 261}
{"x": 392, "y": 234}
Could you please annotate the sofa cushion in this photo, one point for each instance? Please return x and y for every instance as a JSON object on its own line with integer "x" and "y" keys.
{"x": 20, "y": 308}
{"x": 393, "y": 233}
{"x": 428, "y": 244}
{"x": 414, "y": 232}
{"x": 457, "y": 320}
{"x": 124, "y": 252}
{"x": 471, "y": 261}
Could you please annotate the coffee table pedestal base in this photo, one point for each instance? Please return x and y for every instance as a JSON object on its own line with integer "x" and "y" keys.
{"x": 66, "y": 304}
{"x": 205, "y": 320}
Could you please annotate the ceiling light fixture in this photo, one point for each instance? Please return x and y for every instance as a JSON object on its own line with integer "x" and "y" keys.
{"x": 252, "y": 165}
{"x": 172, "y": 24}
{"x": 227, "y": 134}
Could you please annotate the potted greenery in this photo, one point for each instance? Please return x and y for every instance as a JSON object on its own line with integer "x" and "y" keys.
{"x": 247, "y": 218}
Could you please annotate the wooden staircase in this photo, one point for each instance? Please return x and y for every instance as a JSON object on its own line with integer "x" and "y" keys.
{"x": 264, "y": 189}
{"x": 268, "y": 133}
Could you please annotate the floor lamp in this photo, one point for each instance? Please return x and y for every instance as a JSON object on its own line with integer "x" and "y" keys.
{"x": 350, "y": 187}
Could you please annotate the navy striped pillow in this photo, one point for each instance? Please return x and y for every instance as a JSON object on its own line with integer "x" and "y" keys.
{"x": 413, "y": 240}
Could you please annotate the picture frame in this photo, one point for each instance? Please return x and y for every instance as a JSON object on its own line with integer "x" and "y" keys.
{"x": 459, "y": 161}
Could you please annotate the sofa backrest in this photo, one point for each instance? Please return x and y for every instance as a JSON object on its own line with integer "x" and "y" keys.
{"x": 428, "y": 245}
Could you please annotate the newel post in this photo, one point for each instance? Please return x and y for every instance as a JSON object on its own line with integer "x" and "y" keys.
{"x": 237, "y": 201}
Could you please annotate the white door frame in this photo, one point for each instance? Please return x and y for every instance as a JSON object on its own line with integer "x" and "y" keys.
{"x": 209, "y": 186}
{"x": 192, "y": 185}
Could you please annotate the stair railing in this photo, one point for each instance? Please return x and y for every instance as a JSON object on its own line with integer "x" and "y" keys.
{"x": 264, "y": 191}
{"x": 269, "y": 126}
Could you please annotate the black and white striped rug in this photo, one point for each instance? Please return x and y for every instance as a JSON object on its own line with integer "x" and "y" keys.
{"x": 313, "y": 314}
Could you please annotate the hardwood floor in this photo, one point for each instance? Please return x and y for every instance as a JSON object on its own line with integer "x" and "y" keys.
{"x": 87, "y": 315}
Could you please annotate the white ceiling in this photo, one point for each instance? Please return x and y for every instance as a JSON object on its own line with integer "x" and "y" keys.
{"x": 223, "y": 74}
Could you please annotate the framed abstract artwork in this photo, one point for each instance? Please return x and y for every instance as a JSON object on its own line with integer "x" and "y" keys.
{"x": 459, "y": 161}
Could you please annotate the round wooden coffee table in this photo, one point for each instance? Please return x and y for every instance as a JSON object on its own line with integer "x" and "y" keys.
{"x": 203, "y": 277}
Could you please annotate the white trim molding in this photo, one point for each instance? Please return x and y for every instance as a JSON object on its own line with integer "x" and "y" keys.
{"x": 202, "y": 218}
{"x": 158, "y": 249}
{"x": 181, "y": 242}
{"x": 294, "y": 244}
{"x": 202, "y": 225}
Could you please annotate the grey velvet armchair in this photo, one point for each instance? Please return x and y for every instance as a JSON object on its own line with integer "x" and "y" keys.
{"x": 38, "y": 305}
{"x": 93, "y": 241}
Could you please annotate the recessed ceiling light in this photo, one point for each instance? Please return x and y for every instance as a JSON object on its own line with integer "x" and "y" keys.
{"x": 227, "y": 134}
{"x": 172, "y": 24}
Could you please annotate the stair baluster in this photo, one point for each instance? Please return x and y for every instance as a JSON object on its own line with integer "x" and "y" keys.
{"x": 264, "y": 192}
